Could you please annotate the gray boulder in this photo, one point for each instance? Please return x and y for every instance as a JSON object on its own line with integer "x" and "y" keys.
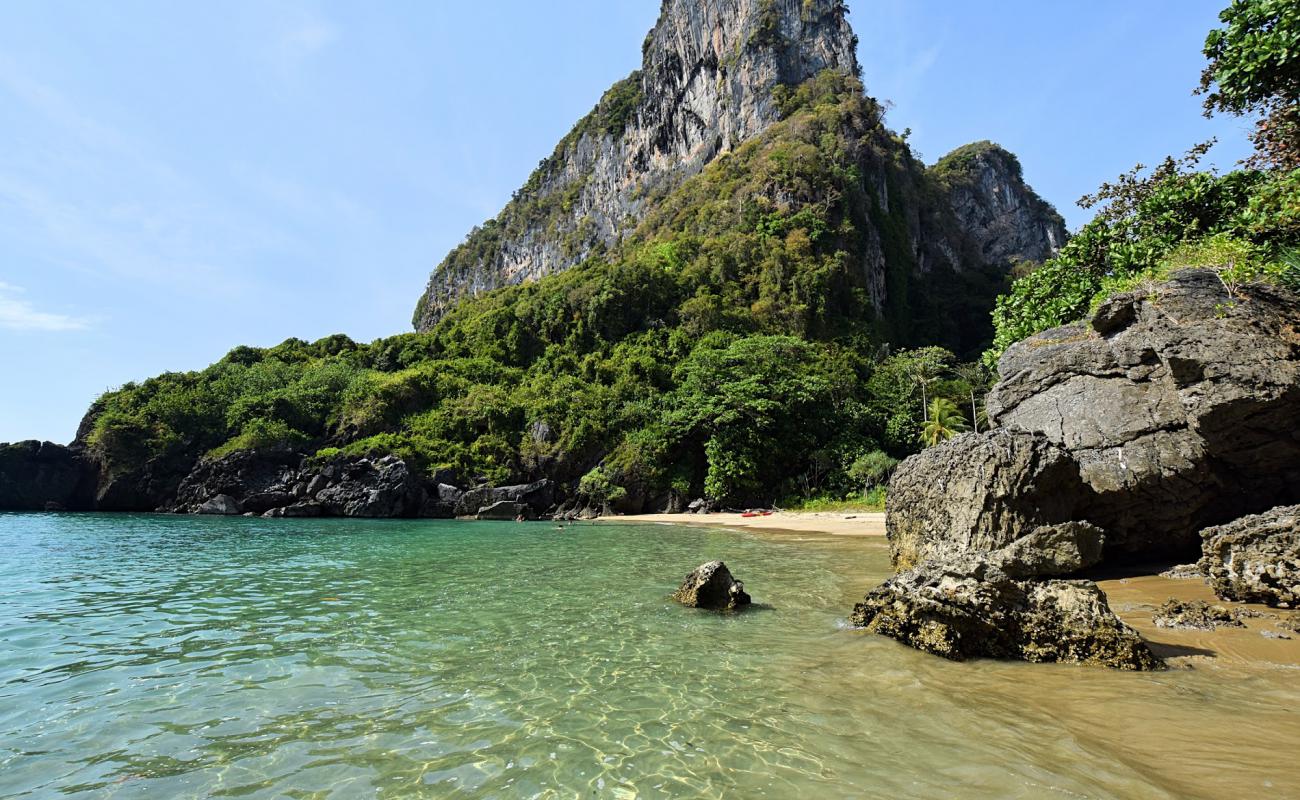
{"x": 979, "y": 492}
{"x": 222, "y": 505}
{"x": 966, "y": 607}
{"x": 712, "y": 586}
{"x": 504, "y": 510}
{"x": 1178, "y": 402}
{"x": 1255, "y": 559}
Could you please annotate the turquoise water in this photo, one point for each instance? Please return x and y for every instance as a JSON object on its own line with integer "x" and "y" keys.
{"x": 177, "y": 657}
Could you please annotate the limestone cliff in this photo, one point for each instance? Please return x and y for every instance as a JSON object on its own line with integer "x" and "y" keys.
{"x": 996, "y": 209}
{"x": 705, "y": 85}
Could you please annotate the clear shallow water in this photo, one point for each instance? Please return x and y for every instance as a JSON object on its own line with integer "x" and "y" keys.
{"x": 173, "y": 657}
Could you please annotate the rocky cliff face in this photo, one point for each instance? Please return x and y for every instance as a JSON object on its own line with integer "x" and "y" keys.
{"x": 996, "y": 209}
{"x": 705, "y": 86}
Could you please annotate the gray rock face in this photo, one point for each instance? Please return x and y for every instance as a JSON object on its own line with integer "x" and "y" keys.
{"x": 35, "y": 476}
{"x": 712, "y": 586}
{"x": 1178, "y": 403}
{"x": 966, "y": 607}
{"x": 538, "y": 497}
{"x": 1004, "y": 218}
{"x": 709, "y": 67}
{"x": 1256, "y": 559}
{"x": 705, "y": 87}
{"x": 504, "y": 510}
{"x": 979, "y": 492}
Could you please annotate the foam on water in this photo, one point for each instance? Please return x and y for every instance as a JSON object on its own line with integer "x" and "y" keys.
{"x": 150, "y": 656}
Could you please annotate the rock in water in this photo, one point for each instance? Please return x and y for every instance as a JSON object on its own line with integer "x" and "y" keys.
{"x": 711, "y": 586}
{"x": 1256, "y": 559}
{"x": 1196, "y": 614}
{"x": 965, "y": 607}
{"x": 221, "y": 505}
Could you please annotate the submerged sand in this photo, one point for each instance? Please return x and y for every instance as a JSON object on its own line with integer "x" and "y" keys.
{"x": 861, "y": 523}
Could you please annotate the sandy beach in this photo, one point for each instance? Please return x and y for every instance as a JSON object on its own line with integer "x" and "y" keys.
{"x": 862, "y": 523}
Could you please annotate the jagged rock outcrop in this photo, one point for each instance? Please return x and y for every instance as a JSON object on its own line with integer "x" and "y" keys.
{"x": 1256, "y": 559}
{"x": 705, "y": 85}
{"x": 967, "y": 607}
{"x": 284, "y": 484}
{"x": 712, "y": 586}
{"x": 1004, "y": 218}
{"x": 1178, "y": 402}
{"x": 39, "y": 476}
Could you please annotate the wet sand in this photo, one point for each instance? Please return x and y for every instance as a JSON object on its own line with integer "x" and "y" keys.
{"x": 862, "y": 523}
{"x": 1135, "y": 598}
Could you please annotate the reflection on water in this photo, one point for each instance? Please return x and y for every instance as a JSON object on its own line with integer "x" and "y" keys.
{"x": 179, "y": 657}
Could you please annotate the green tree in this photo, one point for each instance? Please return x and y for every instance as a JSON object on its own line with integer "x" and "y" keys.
{"x": 943, "y": 422}
{"x": 872, "y": 469}
{"x": 1255, "y": 69}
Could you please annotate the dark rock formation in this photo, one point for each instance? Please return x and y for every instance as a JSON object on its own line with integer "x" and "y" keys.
{"x": 1256, "y": 559}
{"x": 966, "y": 607}
{"x": 1178, "y": 403}
{"x": 711, "y": 586}
{"x": 979, "y": 492}
{"x": 39, "y": 476}
{"x": 283, "y": 484}
{"x": 1196, "y": 614}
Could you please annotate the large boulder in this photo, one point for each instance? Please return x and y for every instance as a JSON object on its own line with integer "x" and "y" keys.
{"x": 538, "y": 496}
{"x": 35, "y": 476}
{"x": 980, "y": 492}
{"x": 968, "y": 607}
{"x": 1256, "y": 559}
{"x": 712, "y": 586}
{"x": 1178, "y": 401}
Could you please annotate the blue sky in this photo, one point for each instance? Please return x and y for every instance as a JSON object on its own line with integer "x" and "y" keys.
{"x": 179, "y": 178}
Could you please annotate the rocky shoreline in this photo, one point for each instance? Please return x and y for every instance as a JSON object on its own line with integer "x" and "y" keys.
{"x": 1163, "y": 428}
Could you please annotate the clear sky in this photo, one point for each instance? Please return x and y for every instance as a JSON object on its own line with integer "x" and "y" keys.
{"x": 179, "y": 178}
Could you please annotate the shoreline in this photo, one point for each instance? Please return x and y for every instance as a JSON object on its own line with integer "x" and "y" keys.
{"x": 861, "y": 524}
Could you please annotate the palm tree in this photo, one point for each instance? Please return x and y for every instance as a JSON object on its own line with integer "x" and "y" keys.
{"x": 976, "y": 378}
{"x": 925, "y": 367}
{"x": 943, "y": 422}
